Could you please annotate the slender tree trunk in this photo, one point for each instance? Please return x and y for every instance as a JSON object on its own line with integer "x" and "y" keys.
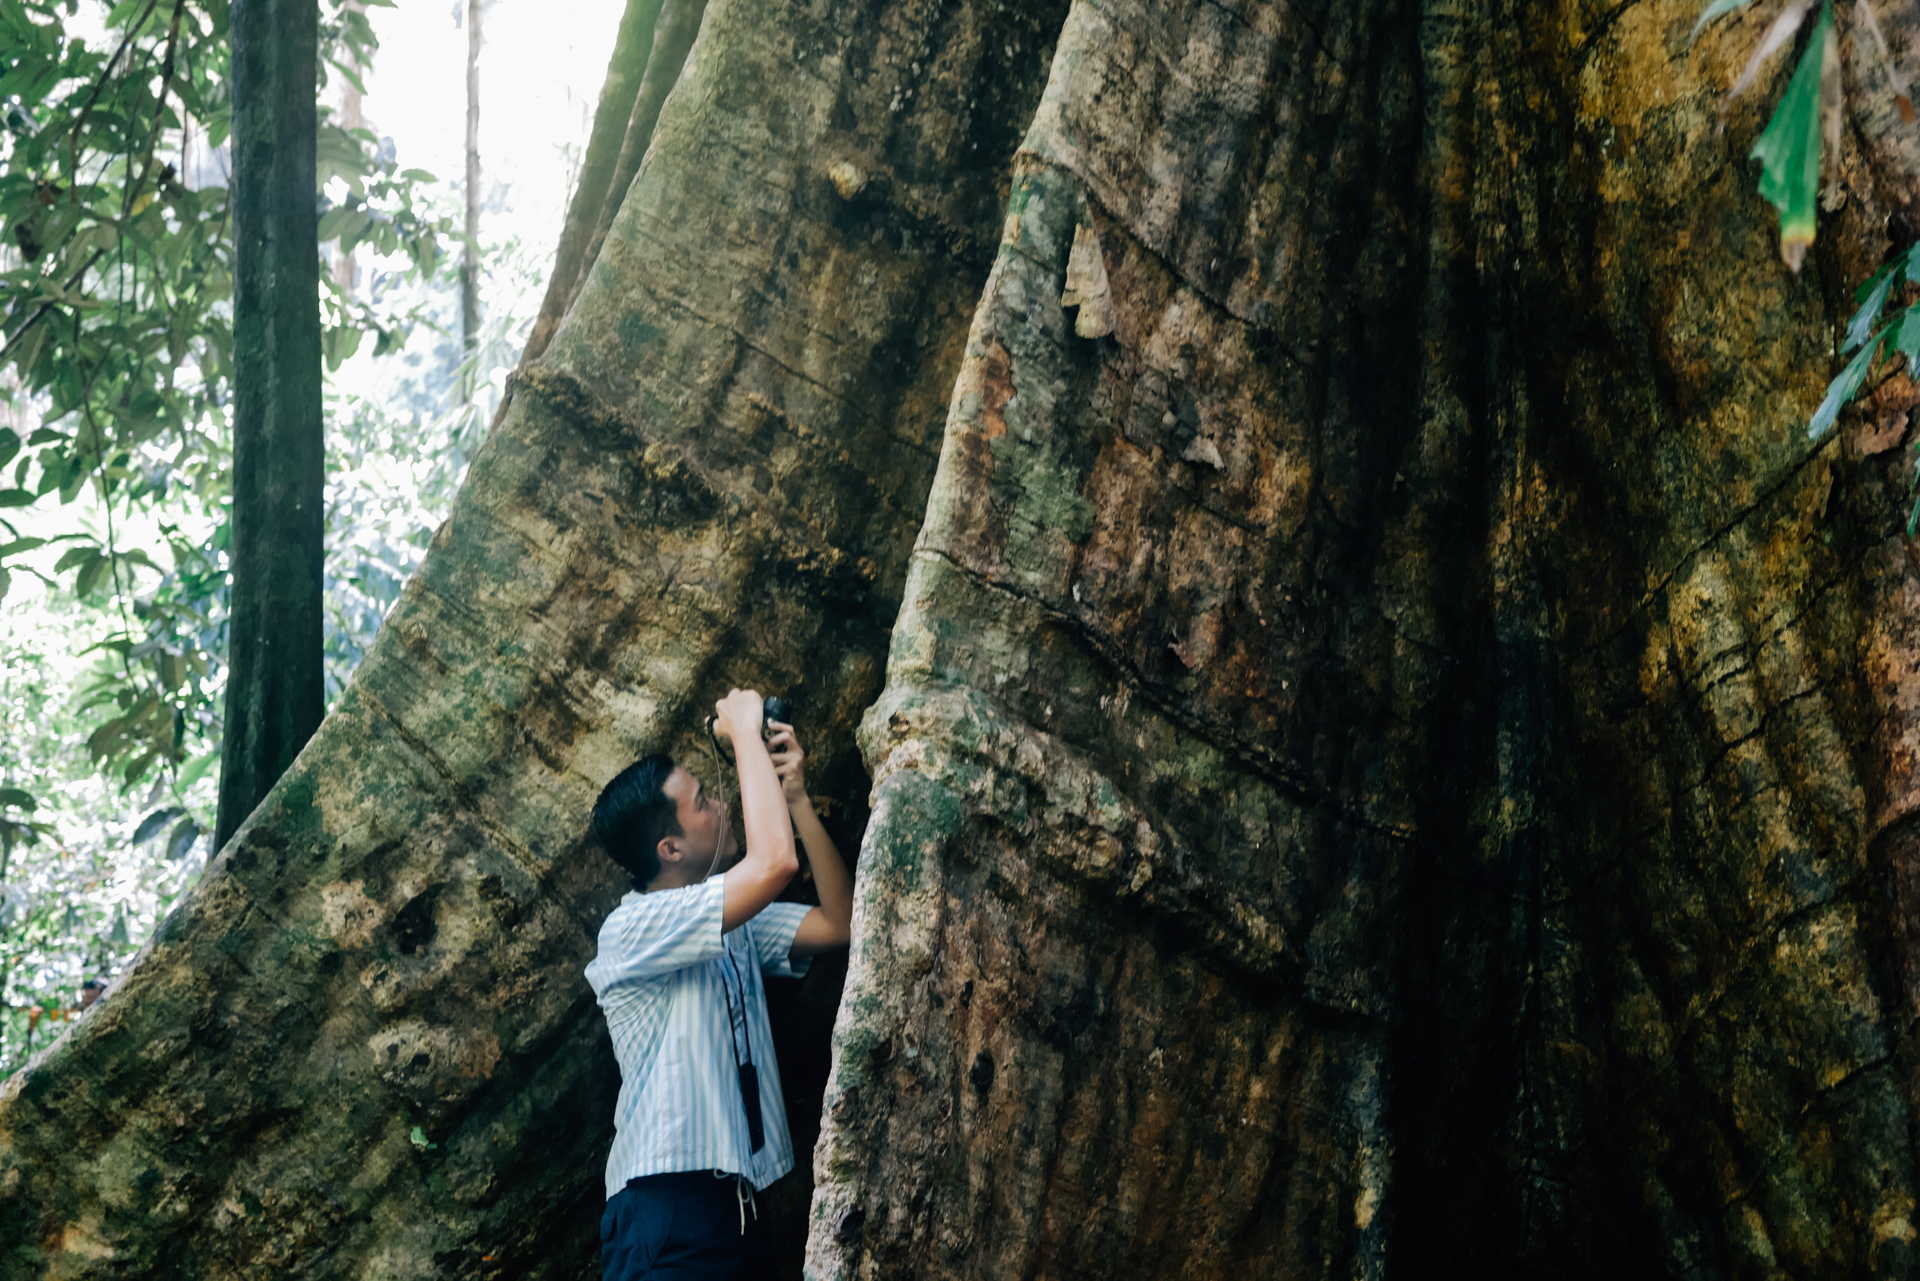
{"x": 345, "y": 267}
{"x": 1395, "y": 758}
{"x": 275, "y": 696}
{"x": 470, "y": 251}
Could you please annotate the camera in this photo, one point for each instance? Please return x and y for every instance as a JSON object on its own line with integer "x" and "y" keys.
{"x": 772, "y": 708}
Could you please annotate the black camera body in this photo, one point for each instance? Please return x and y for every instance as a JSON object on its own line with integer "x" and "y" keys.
{"x": 774, "y": 709}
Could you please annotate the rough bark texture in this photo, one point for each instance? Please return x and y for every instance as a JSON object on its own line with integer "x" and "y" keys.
{"x": 714, "y": 475}
{"x": 1396, "y": 757}
{"x": 609, "y": 170}
{"x": 1393, "y": 753}
{"x": 275, "y": 679}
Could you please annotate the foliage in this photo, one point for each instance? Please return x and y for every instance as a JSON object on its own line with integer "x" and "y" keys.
{"x": 87, "y": 883}
{"x": 115, "y": 309}
{"x": 1789, "y": 150}
{"x": 115, "y": 325}
{"x": 398, "y": 448}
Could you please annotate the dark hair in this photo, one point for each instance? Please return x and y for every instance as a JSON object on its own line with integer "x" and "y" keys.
{"x": 634, "y": 814}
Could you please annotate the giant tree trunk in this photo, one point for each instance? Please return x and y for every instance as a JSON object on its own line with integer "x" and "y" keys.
{"x": 1395, "y": 756}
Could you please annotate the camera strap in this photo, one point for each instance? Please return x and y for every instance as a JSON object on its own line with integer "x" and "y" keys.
{"x": 748, "y": 1073}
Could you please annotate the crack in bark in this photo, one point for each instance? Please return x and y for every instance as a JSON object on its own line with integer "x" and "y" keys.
{"x": 1604, "y": 25}
{"x": 1729, "y": 747}
{"x": 1089, "y": 193}
{"x": 1738, "y": 519}
{"x": 467, "y": 799}
{"x": 1262, "y": 764}
{"x": 1820, "y": 1095}
{"x": 1848, "y": 893}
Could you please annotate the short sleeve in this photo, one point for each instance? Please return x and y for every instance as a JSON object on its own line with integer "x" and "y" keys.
{"x": 773, "y": 932}
{"x": 649, "y": 935}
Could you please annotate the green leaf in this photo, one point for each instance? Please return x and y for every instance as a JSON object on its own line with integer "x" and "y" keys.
{"x": 90, "y": 575}
{"x": 181, "y": 839}
{"x": 194, "y": 770}
{"x": 1843, "y": 389}
{"x": 1906, "y": 338}
{"x": 1789, "y": 149}
{"x": 17, "y": 798}
{"x": 16, "y": 497}
{"x": 1718, "y": 9}
{"x": 419, "y": 1137}
{"x": 151, "y": 825}
{"x": 1860, "y": 328}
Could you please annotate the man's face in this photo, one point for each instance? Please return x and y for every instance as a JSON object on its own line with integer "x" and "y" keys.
{"x": 705, "y": 825}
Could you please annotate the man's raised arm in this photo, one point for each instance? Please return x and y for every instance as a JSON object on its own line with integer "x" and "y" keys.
{"x": 830, "y": 925}
{"x": 757, "y": 879}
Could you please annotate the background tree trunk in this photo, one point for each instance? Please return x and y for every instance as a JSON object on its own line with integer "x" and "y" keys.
{"x": 1395, "y": 755}
{"x": 470, "y": 250}
{"x": 275, "y": 695}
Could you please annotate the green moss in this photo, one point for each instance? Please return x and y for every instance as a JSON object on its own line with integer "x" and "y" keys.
{"x": 915, "y": 811}
{"x": 638, "y": 333}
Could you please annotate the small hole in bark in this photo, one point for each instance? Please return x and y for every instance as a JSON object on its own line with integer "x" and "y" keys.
{"x": 413, "y": 925}
{"x": 981, "y": 1073}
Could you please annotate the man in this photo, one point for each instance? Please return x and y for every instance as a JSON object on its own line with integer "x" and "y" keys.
{"x": 700, "y": 1125}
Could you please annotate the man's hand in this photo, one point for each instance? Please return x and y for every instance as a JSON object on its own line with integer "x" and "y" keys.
{"x": 789, "y": 762}
{"x": 737, "y": 716}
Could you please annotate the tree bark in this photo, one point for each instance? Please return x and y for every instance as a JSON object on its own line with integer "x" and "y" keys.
{"x": 594, "y": 189}
{"x": 612, "y": 161}
{"x": 714, "y": 475}
{"x": 275, "y": 696}
{"x": 1395, "y": 756}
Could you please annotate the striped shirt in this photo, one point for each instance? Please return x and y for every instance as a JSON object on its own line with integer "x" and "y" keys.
{"x": 662, "y": 975}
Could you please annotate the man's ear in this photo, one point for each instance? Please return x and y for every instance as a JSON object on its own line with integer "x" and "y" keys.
{"x": 669, "y": 850}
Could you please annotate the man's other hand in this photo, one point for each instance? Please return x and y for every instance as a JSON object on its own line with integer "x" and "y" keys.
{"x": 789, "y": 762}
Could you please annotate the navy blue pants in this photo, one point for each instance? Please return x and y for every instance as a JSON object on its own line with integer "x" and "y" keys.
{"x": 678, "y": 1227}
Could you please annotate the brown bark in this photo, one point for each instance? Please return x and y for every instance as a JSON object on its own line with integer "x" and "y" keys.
{"x": 1396, "y": 757}
{"x": 713, "y": 475}
{"x": 1389, "y": 750}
